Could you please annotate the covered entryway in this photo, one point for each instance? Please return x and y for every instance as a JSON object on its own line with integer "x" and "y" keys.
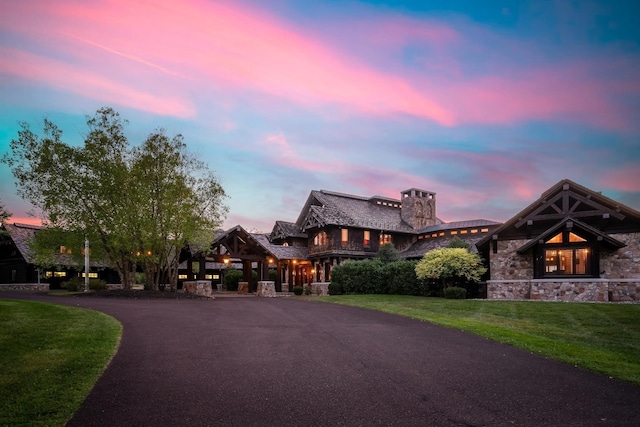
{"x": 255, "y": 252}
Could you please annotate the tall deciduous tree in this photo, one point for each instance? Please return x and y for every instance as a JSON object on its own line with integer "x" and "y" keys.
{"x": 129, "y": 202}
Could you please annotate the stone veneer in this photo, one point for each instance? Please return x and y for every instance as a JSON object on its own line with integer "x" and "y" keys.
{"x": 25, "y": 287}
{"x": 512, "y": 276}
{"x": 577, "y": 290}
{"x": 507, "y": 264}
{"x": 266, "y": 289}
{"x": 198, "y": 287}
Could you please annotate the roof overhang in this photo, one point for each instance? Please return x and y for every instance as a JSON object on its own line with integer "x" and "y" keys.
{"x": 572, "y": 224}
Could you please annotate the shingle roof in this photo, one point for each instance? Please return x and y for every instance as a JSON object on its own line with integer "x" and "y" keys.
{"x": 459, "y": 224}
{"x": 284, "y": 229}
{"x": 331, "y": 208}
{"x": 22, "y": 235}
{"x": 279, "y": 251}
{"x": 422, "y": 246}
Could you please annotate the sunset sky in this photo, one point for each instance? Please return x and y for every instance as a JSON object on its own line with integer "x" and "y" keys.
{"x": 486, "y": 103}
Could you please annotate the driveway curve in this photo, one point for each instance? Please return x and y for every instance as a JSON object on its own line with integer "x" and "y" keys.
{"x": 292, "y": 362}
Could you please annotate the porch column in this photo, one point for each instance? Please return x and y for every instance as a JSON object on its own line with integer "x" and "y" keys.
{"x": 246, "y": 272}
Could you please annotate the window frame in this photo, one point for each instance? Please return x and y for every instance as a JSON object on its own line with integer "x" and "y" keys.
{"x": 580, "y": 255}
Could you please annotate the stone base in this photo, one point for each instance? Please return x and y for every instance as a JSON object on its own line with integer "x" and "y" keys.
{"x": 199, "y": 287}
{"x": 243, "y": 288}
{"x": 24, "y": 287}
{"x": 266, "y": 289}
{"x": 577, "y": 290}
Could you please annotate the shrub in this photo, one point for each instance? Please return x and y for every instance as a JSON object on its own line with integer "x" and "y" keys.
{"x": 231, "y": 279}
{"x": 455, "y": 292}
{"x": 298, "y": 290}
{"x": 74, "y": 284}
{"x": 451, "y": 265}
{"x": 307, "y": 290}
{"x": 97, "y": 284}
{"x": 335, "y": 288}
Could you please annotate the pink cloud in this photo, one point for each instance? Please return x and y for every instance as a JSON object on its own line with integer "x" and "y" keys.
{"x": 213, "y": 45}
{"x": 622, "y": 178}
{"x": 280, "y": 152}
{"x": 563, "y": 92}
{"x": 65, "y": 76}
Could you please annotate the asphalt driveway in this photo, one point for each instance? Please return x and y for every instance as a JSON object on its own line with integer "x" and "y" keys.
{"x": 290, "y": 362}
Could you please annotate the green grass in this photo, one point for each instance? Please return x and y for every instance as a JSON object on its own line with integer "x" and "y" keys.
{"x": 600, "y": 337}
{"x": 50, "y": 358}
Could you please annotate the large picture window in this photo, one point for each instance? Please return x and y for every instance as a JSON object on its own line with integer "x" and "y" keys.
{"x": 567, "y": 254}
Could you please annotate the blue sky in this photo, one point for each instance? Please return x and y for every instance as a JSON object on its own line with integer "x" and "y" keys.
{"x": 485, "y": 103}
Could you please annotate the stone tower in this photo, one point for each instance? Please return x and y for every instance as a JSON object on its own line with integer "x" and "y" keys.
{"x": 418, "y": 208}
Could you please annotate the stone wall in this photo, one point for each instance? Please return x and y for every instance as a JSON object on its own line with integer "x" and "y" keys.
{"x": 198, "y": 287}
{"x": 625, "y": 262}
{"x": 24, "y": 287}
{"x": 577, "y": 290}
{"x": 507, "y": 264}
{"x": 266, "y": 289}
{"x": 320, "y": 288}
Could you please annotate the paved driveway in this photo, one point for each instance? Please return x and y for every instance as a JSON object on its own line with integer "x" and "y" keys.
{"x": 289, "y": 362}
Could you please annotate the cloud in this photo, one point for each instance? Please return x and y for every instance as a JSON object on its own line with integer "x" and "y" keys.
{"x": 64, "y": 76}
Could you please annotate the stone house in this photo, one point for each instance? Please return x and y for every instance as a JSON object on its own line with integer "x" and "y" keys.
{"x": 334, "y": 227}
{"x": 572, "y": 244}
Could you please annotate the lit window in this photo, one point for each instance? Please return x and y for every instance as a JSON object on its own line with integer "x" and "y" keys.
{"x": 366, "y": 241}
{"x": 463, "y": 231}
{"x": 441, "y": 234}
{"x": 92, "y": 275}
{"x": 453, "y": 233}
{"x": 59, "y": 274}
{"x": 484, "y": 230}
{"x": 182, "y": 276}
{"x": 563, "y": 255}
{"x": 345, "y": 237}
{"x": 385, "y": 238}
{"x": 434, "y": 235}
{"x": 474, "y": 231}
{"x": 214, "y": 276}
{"x": 65, "y": 250}
{"x": 320, "y": 239}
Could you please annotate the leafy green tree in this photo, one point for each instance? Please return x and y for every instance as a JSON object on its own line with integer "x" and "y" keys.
{"x": 100, "y": 191}
{"x": 178, "y": 201}
{"x": 387, "y": 253}
{"x": 450, "y": 265}
{"x": 457, "y": 242}
{"x": 4, "y": 216}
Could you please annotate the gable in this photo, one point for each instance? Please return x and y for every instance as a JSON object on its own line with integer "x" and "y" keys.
{"x": 568, "y": 201}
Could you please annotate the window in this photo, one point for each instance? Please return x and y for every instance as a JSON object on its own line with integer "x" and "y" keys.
{"x": 55, "y": 274}
{"x": 565, "y": 254}
{"x": 92, "y": 275}
{"x": 65, "y": 250}
{"x": 320, "y": 239}
{"x": 366, "y": 241}
{"x": 345, "y": 237}
{"x": 385, "y": 238}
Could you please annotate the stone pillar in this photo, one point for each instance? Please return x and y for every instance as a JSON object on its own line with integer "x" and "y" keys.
{"x": 266, "y": 288}
{"x": 243, "y": 288}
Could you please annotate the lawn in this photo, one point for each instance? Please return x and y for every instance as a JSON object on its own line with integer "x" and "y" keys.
{"x": 600, "y": 337}
{"x": 51, "y": 357}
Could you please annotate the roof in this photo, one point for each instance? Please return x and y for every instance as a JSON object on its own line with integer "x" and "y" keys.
{"x": 570, "y": 224}
{"x": 331, "y": 208}
{"x": 22, "y": 235}
{"x": 458, "y": 224}
{"x": 567, "y": 199}
{"x": 284, "y": 229}
{"x": 281, "y": 252}
{"x": 256, "y": 243}
{"x": 422, "y": 246}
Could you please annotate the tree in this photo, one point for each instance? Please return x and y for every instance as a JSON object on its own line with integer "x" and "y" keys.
{"x": 457, "y": 242}
{"x": 450, "y": 265}
{"x": 387, "y": 253}
{"x": 4, "y": 216}
{"x": 98, "y": 191}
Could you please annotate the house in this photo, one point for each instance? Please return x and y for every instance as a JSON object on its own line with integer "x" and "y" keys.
{"x": 17, "y": 265}
{"x": 572, "y": 244}
{"x": 334, "y": 227}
